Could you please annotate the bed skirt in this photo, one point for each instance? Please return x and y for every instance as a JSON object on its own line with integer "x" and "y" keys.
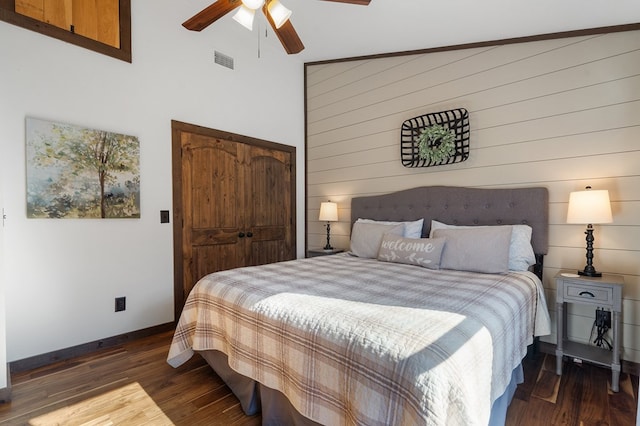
{"x": 276, "y": 409}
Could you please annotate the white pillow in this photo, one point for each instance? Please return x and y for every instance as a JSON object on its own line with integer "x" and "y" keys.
{"x": 521, "y": 254}
{"x": 366, "y": 237}
{"x": 412, "y": 229}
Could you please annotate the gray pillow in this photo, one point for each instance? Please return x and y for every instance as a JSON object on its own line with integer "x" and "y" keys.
{"x": 521, "y": 254}
{"x": 366, "y": 237}
{"x": 423, "y": 252}
{"x": 476, "y": 249}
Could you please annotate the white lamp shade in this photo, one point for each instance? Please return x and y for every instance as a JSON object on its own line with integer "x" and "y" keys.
{"x": 278, "y": 13}
{"x": 244, "y": 16}
{"x": 328, "y": 212}
{"x": 253, "y": 4}
{"x": 588, "y": 207}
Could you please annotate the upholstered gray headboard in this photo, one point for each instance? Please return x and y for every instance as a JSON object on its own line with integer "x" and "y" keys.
{"x": 462, "y": 206}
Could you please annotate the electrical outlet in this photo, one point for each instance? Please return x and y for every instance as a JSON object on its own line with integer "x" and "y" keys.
{"x": 603, "y": 318}
{"x": 121, "y": 304}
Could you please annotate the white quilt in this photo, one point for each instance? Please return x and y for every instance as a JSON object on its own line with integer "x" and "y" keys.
{"x": 358, "y": 341}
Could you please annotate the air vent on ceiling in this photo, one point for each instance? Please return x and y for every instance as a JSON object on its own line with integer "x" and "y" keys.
{"x": 224, "y": 60}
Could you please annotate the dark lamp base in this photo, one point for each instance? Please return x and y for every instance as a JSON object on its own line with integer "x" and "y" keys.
{"x": 589, "y": 270}
{"x": 328, "y": 246}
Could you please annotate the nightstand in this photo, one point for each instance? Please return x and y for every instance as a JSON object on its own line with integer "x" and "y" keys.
{"x": 604, "y": 292}
{"x": 322, "y": 252}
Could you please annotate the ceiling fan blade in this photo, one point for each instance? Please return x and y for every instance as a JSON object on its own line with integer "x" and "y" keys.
{"x": 211, "y": 14}
{"x": 361, "y": 2}
{"x": 286, "y": 34}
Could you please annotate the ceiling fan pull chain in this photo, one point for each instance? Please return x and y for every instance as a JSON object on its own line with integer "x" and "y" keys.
{"x": 258, "y": 33}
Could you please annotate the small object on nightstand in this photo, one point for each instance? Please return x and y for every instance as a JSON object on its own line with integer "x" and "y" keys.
{"x": 601, "y": 292}
{"x": 569, "y": 275}
{"x": 323, "y": 252}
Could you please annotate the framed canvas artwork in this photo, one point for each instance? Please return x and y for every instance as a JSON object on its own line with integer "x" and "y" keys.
{"x": 77, "y": 172}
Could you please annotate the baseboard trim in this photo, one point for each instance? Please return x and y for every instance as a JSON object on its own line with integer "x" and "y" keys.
{"x": 5, "y": 393}
{"x": 628, "y": 367}
{"x": 85, "y": 348}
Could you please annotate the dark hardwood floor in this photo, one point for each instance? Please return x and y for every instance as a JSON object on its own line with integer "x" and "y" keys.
{"x": 581, "y": 396}
{"x": 132, "y": 384}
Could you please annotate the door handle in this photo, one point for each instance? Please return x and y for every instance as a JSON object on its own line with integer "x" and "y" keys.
{"x": 249, "y": 234}
{"x": 241, "y": 235}
{"x": 587, "y": 293}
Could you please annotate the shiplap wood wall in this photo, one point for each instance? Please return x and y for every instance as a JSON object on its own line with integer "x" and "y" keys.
{"x": 560, "y": 113}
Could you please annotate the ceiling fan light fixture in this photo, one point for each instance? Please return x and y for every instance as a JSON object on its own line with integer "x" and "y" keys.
{"x": 278, "y": 13}
{"x": 244, "y": 16}
{"x": 253, "y": 4}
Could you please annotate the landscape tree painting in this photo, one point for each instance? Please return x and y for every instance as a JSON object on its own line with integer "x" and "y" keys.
{"x": 75, "y": 172}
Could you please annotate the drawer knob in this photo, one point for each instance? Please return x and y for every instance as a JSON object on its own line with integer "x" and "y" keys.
{"x": 587, "y": 293}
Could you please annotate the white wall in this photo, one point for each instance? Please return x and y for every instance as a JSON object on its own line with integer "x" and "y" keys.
{"x": 62, "y": 275}
{"x": 561, "y": 113}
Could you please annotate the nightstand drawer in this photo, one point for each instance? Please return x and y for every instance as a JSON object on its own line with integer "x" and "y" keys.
{"x": 593, "y": 294}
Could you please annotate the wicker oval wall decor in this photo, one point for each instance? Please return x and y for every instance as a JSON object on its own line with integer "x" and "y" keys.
{"x": 456, "y": 120}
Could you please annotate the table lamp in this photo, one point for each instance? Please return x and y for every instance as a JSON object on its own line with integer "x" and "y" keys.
{"x": 589, "y": 207}
{"x": 328, "y": 213}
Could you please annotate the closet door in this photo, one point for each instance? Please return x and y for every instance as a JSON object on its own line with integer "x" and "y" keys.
{"x": 268, "y": 212}
{"x": 213, "y": 206}
{"x": 234, "y": 204}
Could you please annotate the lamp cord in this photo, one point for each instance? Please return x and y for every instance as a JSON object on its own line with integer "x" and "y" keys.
{"x": 600, "y": 340}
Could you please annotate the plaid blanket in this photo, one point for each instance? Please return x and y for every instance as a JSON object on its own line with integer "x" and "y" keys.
{"x": 357, "y": 341}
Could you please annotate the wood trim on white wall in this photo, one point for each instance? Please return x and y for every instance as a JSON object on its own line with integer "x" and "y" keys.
{"x": 5, "y": 378}
{"x": 556, "y": 112}
{"x": 5, "y": 392}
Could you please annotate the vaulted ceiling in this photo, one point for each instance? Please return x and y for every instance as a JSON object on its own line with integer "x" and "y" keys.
{"x": 332, "y": 30}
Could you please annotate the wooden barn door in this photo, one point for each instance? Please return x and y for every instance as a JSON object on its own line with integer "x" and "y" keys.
{"x": 234, "y": 202}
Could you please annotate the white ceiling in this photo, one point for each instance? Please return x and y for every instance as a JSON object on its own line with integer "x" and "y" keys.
{"x": 332, "y": 30}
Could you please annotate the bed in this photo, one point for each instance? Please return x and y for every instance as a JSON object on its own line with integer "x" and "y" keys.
{"x": 431, "y": 335}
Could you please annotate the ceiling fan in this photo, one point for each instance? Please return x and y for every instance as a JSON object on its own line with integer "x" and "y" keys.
{"x": 276, "y": 13}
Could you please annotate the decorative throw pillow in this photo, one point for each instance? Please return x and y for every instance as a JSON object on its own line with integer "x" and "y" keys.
{"x": 366, "y": 237}
{"x": 521, "y": 254}
{"x": 478, "y": 249}
{"x": 425, "y": 252}
{"x": 412, "y": 229}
